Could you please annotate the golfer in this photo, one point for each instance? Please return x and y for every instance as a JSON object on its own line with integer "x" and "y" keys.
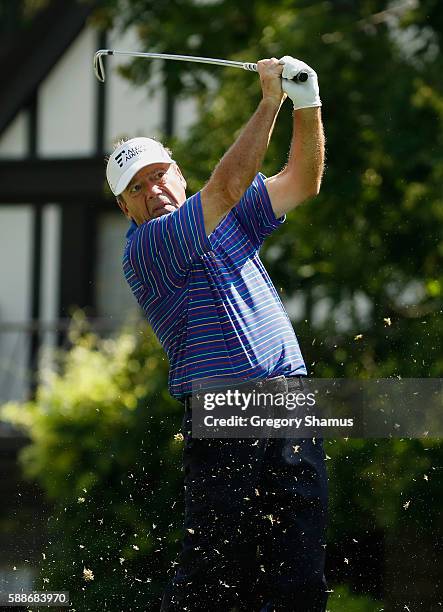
{"x": 255, "y": 510}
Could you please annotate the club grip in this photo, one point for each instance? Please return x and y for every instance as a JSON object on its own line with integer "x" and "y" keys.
{"x": 301, "y": 77}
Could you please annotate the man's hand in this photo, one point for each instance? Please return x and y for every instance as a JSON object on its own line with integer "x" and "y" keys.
{"x": 303, "y": 95}
{"x": 270, "y": 71}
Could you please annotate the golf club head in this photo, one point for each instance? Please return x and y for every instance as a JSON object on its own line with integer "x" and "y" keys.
{"x": 99, "y": 69}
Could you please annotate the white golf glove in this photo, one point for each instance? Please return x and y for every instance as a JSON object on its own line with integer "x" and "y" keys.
{"x": 303, "y": 95}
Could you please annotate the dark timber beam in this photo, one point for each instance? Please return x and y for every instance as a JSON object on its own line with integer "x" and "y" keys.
{"x": 36, "y": 255}
{"x": 65, "y": 181}
{"x": 29, "y": 59}
{"x": 78, "y": 252}
{"x": 101, "y": 91}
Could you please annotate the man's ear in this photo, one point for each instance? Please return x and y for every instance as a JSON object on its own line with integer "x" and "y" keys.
{"x": 122, "y": 205}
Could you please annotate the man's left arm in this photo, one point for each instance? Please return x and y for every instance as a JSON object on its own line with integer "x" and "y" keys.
{"x": 301, "y": 177}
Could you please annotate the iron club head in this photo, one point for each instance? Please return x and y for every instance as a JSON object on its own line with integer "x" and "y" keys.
{"x": 99, "y": 68}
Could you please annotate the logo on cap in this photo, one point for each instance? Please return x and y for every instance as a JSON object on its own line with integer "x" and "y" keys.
{"x": 127, "y": 154}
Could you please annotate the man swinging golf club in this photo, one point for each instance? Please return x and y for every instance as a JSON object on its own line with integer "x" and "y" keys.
{"x": 255, "y": 510}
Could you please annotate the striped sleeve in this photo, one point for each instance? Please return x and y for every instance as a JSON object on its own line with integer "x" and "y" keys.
{"x": 255, "y": 214}
{"x": 162, "y": 250}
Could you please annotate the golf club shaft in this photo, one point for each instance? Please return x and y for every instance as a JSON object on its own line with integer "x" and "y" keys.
{"x": 100, "y": 73}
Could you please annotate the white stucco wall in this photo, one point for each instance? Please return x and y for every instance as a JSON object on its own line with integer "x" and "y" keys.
{"x": 13, "y": 141}
{"x": 66, "y": 105}
{"x": 49, "y": 289}
{"x": 113, "y": 295}
{"x": 50, "y": 268}
{"x": 15, "y": 298}
{"x": 131, "y": 112}
{"x": 16, "y": 228}
{"x": 185, "y": 116}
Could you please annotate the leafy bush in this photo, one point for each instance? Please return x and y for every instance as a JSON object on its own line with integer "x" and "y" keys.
{"x": 103, "y": 450}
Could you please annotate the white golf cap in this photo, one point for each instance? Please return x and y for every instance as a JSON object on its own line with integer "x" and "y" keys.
{"x": 130, "y": 157}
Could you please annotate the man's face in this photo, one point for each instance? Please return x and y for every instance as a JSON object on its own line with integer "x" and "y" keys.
{"x": 155, "y": 190}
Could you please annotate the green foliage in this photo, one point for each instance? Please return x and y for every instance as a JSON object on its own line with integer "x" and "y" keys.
{"x": 19, "y": 15}
{"x": 103, "y": 450}
{"x": 385, "y": 485}
{"x": 342, "y": 599}
{"x": 369, "y": 248}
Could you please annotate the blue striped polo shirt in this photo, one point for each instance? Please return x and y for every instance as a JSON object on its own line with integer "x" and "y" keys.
{"x": 209, "y": 299}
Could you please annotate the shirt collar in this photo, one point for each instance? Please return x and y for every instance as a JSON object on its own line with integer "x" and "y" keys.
{"x": 133, "y": 226}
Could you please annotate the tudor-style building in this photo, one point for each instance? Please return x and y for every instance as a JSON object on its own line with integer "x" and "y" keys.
{"x": 61, "y": 234}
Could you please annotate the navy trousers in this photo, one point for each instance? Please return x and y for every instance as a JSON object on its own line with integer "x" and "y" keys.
{"x": 255, "y": 521}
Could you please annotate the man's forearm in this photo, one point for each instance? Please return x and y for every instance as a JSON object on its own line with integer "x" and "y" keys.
{"x": 242, "y": 161}
{"x": 236, "y": 170}
{"x": 301, "y": 178}
{"x": 306, "y": 158}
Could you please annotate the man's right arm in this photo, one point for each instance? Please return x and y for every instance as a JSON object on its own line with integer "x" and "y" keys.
{"x": 238, "y": 167}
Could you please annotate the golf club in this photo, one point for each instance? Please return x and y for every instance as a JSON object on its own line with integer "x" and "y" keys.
{"x": 100, "y": 71}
